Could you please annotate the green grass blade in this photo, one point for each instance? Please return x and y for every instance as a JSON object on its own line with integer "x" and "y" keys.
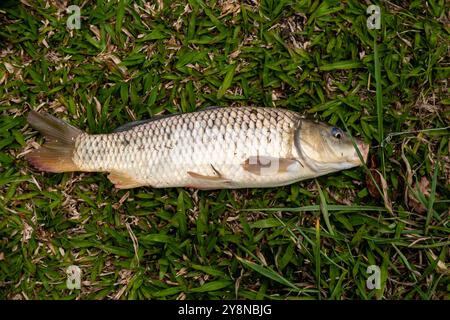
{"x": 324, "y": 209}
{"x": 267, "y": 272}
{"x": 379, "y": 100}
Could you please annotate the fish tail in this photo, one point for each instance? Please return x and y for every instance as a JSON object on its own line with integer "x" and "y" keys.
{"x": 56, "y": 155}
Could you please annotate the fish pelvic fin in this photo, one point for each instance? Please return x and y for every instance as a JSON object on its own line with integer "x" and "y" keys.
{"x": 204, "y": 182}
{"x": 56, "y": 155}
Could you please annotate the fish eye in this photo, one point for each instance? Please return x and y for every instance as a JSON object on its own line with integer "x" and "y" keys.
{"x": 337, "y": 133}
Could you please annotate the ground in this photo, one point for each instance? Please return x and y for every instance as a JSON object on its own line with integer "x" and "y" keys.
{"x": 326, "y": 238}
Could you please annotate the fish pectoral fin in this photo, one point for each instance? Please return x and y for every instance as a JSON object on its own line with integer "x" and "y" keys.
{"x": 265, "y": 165}
{"x": 123, "y": 181}
{"x": 208, "y": 182}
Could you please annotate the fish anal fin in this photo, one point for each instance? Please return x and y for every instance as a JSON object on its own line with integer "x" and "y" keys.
{"x": 123, "y": 181}
{"x": 265, "y": 165}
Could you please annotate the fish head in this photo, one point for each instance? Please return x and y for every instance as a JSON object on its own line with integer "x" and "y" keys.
{"x": 327, "y": 148}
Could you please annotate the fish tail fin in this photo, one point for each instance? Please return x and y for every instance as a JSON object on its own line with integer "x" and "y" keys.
{"x": 56, "y": 155}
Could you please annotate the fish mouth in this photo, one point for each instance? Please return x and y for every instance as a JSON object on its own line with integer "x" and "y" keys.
{"x": 364, "y": 150}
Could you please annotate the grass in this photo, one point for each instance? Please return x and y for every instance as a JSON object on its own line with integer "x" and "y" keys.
{"x": 310, "y": 240}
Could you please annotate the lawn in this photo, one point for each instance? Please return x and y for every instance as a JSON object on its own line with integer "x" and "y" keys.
{"x": 376, "y": 232}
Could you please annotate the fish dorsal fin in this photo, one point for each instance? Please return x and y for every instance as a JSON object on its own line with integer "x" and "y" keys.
{"x": 210, "y": 108}
{"x": 131, "y": 125}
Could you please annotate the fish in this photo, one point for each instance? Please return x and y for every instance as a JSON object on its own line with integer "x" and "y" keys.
{"x": 212, "y": 148}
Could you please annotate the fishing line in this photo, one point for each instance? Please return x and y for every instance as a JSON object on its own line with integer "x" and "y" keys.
{"x": 393, "y": 134}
